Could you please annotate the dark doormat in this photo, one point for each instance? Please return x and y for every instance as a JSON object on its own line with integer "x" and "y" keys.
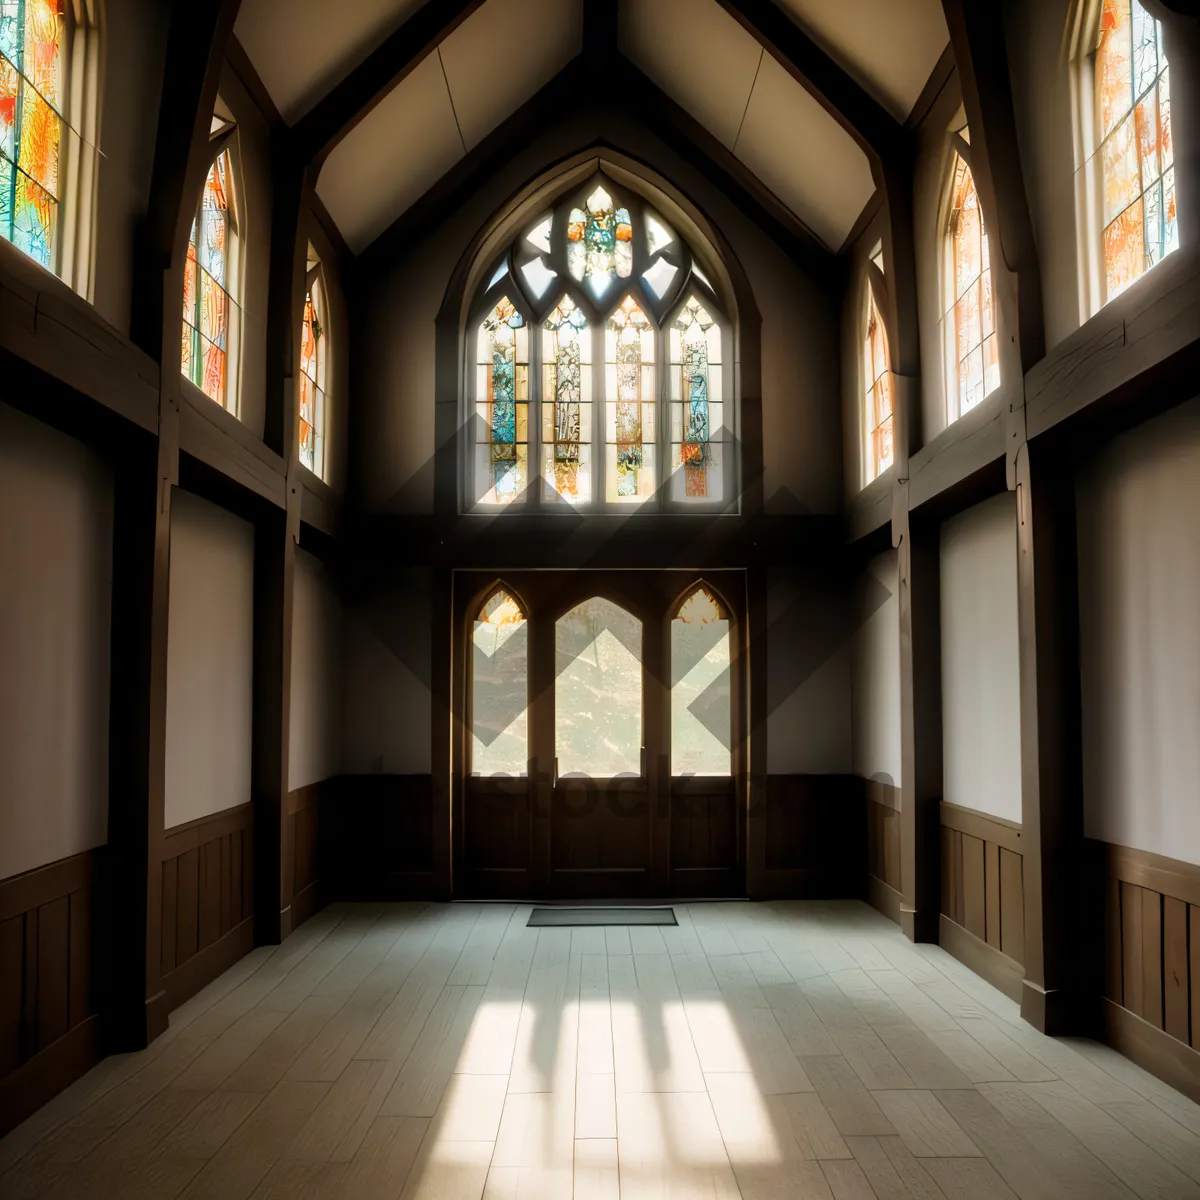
{"x": 559, "y": 917}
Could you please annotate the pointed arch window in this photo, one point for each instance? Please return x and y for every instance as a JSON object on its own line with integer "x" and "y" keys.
{"x": 314, "y": 351}
{"x": 701, "y": 699}
{"x": 969, "y": 324}
{"x": 212, "y": 317}
{"x": 500, "y": 687}
{"x": 49, "y": 101}
{"x": 877, "y": 415}
{"x": 644, "y": 427}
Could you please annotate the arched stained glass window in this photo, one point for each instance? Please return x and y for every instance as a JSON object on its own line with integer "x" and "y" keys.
{"x": 697, "y": 410}
{"x": 701, "y": 712}
{"x": 599, "y": 242}
{"x": 877, "y": 416}
{"x": 314, "y": 339}
{"x": 632, "y": 399}
{"x": 1133, "y": 116}
{"x": 32, "y": 94}
{"x": 211, "y": 313}
{"x": 598, "y": 690}
{"x": 626, "y": 371}
{"x": 500, "y": 688}
{"x": 567, "y": 402}
{"x": 969, "y": 325}
{"x": 502, "y": 449}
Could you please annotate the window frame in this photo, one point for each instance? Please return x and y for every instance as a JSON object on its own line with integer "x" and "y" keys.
{"x": 505, "y": 277}
{"x": 224, "y": 140}
{"x": 959, "y": 149}
{"x": 315, "y": 286}
{"x": 874, "y": 302}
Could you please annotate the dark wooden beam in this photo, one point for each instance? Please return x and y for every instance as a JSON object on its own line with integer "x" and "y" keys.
{"x": 917, "y": 540}
{"x": 336, "y": 114}
{"x": 876, "y": 131}
{"x": 1051, "y": 747}
{"x": 977, "y": 35}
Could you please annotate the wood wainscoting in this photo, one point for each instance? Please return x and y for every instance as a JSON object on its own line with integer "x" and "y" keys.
{"x": 51, "y": 958}
{"x": 983, "y": 896}
{"x": 813, "y": 840}
{"x": 304, "y": 819}
{"x": 207, "y": 899}
{"x": 378, "y": 839}
{"x": 1151, "y": 1007}
{"x": 883, "y": 847}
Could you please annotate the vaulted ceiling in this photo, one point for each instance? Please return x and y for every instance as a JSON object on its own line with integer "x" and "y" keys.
{"x": 506, "y": 51}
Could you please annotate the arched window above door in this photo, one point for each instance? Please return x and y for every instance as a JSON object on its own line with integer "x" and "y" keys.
{"x": 601, "y": 273}
{"x": 500, "y": 687}
{"x": 701, "y": 701}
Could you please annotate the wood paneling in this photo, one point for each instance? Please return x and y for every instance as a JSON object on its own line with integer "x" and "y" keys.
{"x": 305, "y": 806}
{"x": 883, "y": 846}
{"x": 704, "y": 827}
{"x": 815, "y": 836}
{"x": 983, "y": 894}
{"x": 1151, "y": 948}
{"x": 206, "y": 896}
{"x": 47, "y": 986}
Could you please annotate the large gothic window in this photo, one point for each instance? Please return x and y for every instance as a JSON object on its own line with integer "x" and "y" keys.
{"x": 624, "y": 374}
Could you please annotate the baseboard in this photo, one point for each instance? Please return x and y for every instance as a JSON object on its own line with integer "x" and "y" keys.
{"x": 41, "y": 1078}
{"x": 306, "y": 903}
{"x": 883, "y": 898}
{"x": 205, "y": 965}
{"x": 1168, "y": 1058}
{"x": 1002, "y": 972}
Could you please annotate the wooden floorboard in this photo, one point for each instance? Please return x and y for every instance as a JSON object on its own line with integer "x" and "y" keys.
{"x": 789, "y": 1049}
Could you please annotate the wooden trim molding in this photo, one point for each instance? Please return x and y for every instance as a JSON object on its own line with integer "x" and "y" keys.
{"x": 39, "y": 1080}
{"x": 1002, "y": 972}
{"x": 1152, "y": 1049}
{"x": 1169, "y": 876}
{"x": 193, "y": 834}
{"x": 206, "y": 965}
{"x": 983, "y": 826}
{"x": 883, "y": 899}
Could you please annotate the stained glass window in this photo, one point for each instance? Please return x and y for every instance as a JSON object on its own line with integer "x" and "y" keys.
{"x": 598, "y": 690}
{"x": 696, "y": 403}
{"x": 211, "y": 317}
{"x": 631, "y": 400}
{"x": 972, "y": 351}
{"x": 878, "y": 409}
{"x": 1133, "y": 108}
{"x": 313, "y": 339}
{"x": 701, "y": 712}
{"x": 599, "y": 242}
{"x": 502, "y": 446}
{"x": 567, "y": 402}
{"x": 500, "y": 688}
{"x": 31, "y": 125}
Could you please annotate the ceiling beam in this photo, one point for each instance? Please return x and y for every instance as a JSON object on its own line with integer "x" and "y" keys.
{"x": 877, "y": 132}
{"x": 341, "y": 109}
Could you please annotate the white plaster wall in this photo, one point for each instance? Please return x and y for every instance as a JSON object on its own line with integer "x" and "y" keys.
{"x": 876, "y": 674}
{"x": 56, "y": 523}
{"x": 981, "y": 710}
{"x": 210, "y": 660}
{"x": 1139, "y": 599}
{"x": 315, "y": 745}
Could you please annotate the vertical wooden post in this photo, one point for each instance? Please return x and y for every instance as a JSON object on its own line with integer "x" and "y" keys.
{"x": 920, "y": 722}
{"x": 1051, "y": 750}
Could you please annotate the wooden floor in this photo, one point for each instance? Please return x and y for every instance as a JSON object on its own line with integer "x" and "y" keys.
{"x": 767, "y": 1050}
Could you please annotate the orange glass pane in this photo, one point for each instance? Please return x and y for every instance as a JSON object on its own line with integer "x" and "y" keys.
{"x": 987, "y": 317}
{"x": 883, "y": 446}
{"x": 883, "y": 397}
{"x": 967, "y": 250}
{"x": 1146, "y": 122}
{"x": 966, "y": 323}
{"x": 1114, "y": 83}
{"x": 1122, "y": 176}
{"x": 1166, "y": 145}
{"x": 1124, "y": 249}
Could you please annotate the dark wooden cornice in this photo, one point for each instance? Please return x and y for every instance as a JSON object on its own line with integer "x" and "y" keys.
{"x": 875, "y": 130}
{"x": 320, "y": 129}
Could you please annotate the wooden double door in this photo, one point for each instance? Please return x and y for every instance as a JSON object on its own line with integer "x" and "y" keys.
{"x": 599, "y": 735}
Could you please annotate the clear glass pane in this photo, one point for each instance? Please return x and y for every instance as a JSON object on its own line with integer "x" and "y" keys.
{"x": 499, "y": 689}
{"x": 598, "y": 690}
{"x": 701, "y": 720}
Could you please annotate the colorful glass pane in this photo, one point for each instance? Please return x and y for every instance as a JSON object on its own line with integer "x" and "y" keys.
{"x": 210, "y": 315}
{"x": 1136, "y": 147}
{"x": 566, "y": 407}
{"x": 312, "y": 380}
{"x": 878, "y": 415}
{"x": 31, "y": 126}
{"x": 970, "y": 322}
{"x": 695, "y": 350}
{"x": 599, "y": 242}
{"x": 631, "y": 399}
{"x": 503, "y": 399}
